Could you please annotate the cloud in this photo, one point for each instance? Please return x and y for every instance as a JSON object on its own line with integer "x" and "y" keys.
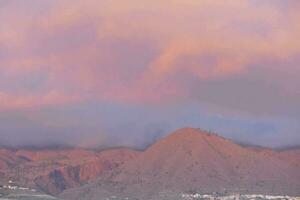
{"x": 230, "y": 57}
{"x": 51, "y": 98}
{"x": 205, "y": 39}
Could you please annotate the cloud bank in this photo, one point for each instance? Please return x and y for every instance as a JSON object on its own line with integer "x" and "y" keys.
{"x": 238, "y": 59}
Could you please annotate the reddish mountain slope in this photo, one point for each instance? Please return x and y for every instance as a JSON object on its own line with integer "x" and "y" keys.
{"x": 76, "y": 174}
{"x": 53, "y": 171}
{"x": 186, "y": 160}
{"x": 9, "y": 159}
{"x": 292, "y": 156}
{"x": 190, "y": 159}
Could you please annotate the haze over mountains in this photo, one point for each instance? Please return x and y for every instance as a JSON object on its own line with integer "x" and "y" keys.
{"x": 186, "y": 160}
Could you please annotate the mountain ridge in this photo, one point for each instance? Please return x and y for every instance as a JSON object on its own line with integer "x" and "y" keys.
{"x": 191, "y": 159}
{"x": 57, "y": 147}
{"x": 188, "y": 159}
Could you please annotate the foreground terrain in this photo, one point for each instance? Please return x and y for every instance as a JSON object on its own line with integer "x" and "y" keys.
{"x": 14, "y": 192}
{"x": 185, "y": 163}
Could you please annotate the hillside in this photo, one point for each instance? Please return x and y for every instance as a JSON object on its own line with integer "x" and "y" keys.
{"x": 52, "y": 172}
{"x": 186, "y": 161}
{"x": 190, "y": 160}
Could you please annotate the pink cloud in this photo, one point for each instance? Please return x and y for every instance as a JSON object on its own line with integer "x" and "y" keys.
{"x": 52, "y": 98}
{"x": 181, "y": 35}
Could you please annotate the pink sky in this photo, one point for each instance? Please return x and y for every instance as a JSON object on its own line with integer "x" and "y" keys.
{"x": 231, "y": 58}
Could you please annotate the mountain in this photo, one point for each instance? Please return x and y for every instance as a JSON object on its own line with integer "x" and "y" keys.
{"x": 190, "y": 160}
{"x": 53, "y": 171}
{"x": 187, "y": 161}
{"x": 8, "y": 159}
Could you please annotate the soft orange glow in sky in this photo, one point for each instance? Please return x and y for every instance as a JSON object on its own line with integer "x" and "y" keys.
{"x": 229, "y": 57}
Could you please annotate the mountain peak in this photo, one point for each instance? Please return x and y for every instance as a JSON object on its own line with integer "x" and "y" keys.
{"x": 190, "y": 132}
{"x": 191, "y": 136}
{"x": 194, "y": 142}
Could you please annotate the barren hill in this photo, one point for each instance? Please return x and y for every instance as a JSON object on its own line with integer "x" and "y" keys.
{"x": 53, "y": 171}
{"x": 194, "y": 160}
{"x": 188, "y": 160}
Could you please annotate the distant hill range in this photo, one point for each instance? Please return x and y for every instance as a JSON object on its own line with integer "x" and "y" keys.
{"x": 188, "y": 160}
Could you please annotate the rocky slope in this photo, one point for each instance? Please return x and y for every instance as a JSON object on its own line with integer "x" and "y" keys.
{"x": 192, "y": 160}
{"x": 8, "y": 159}
{"x": 186, "y": 161}
{"x": 52, "y": 171}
